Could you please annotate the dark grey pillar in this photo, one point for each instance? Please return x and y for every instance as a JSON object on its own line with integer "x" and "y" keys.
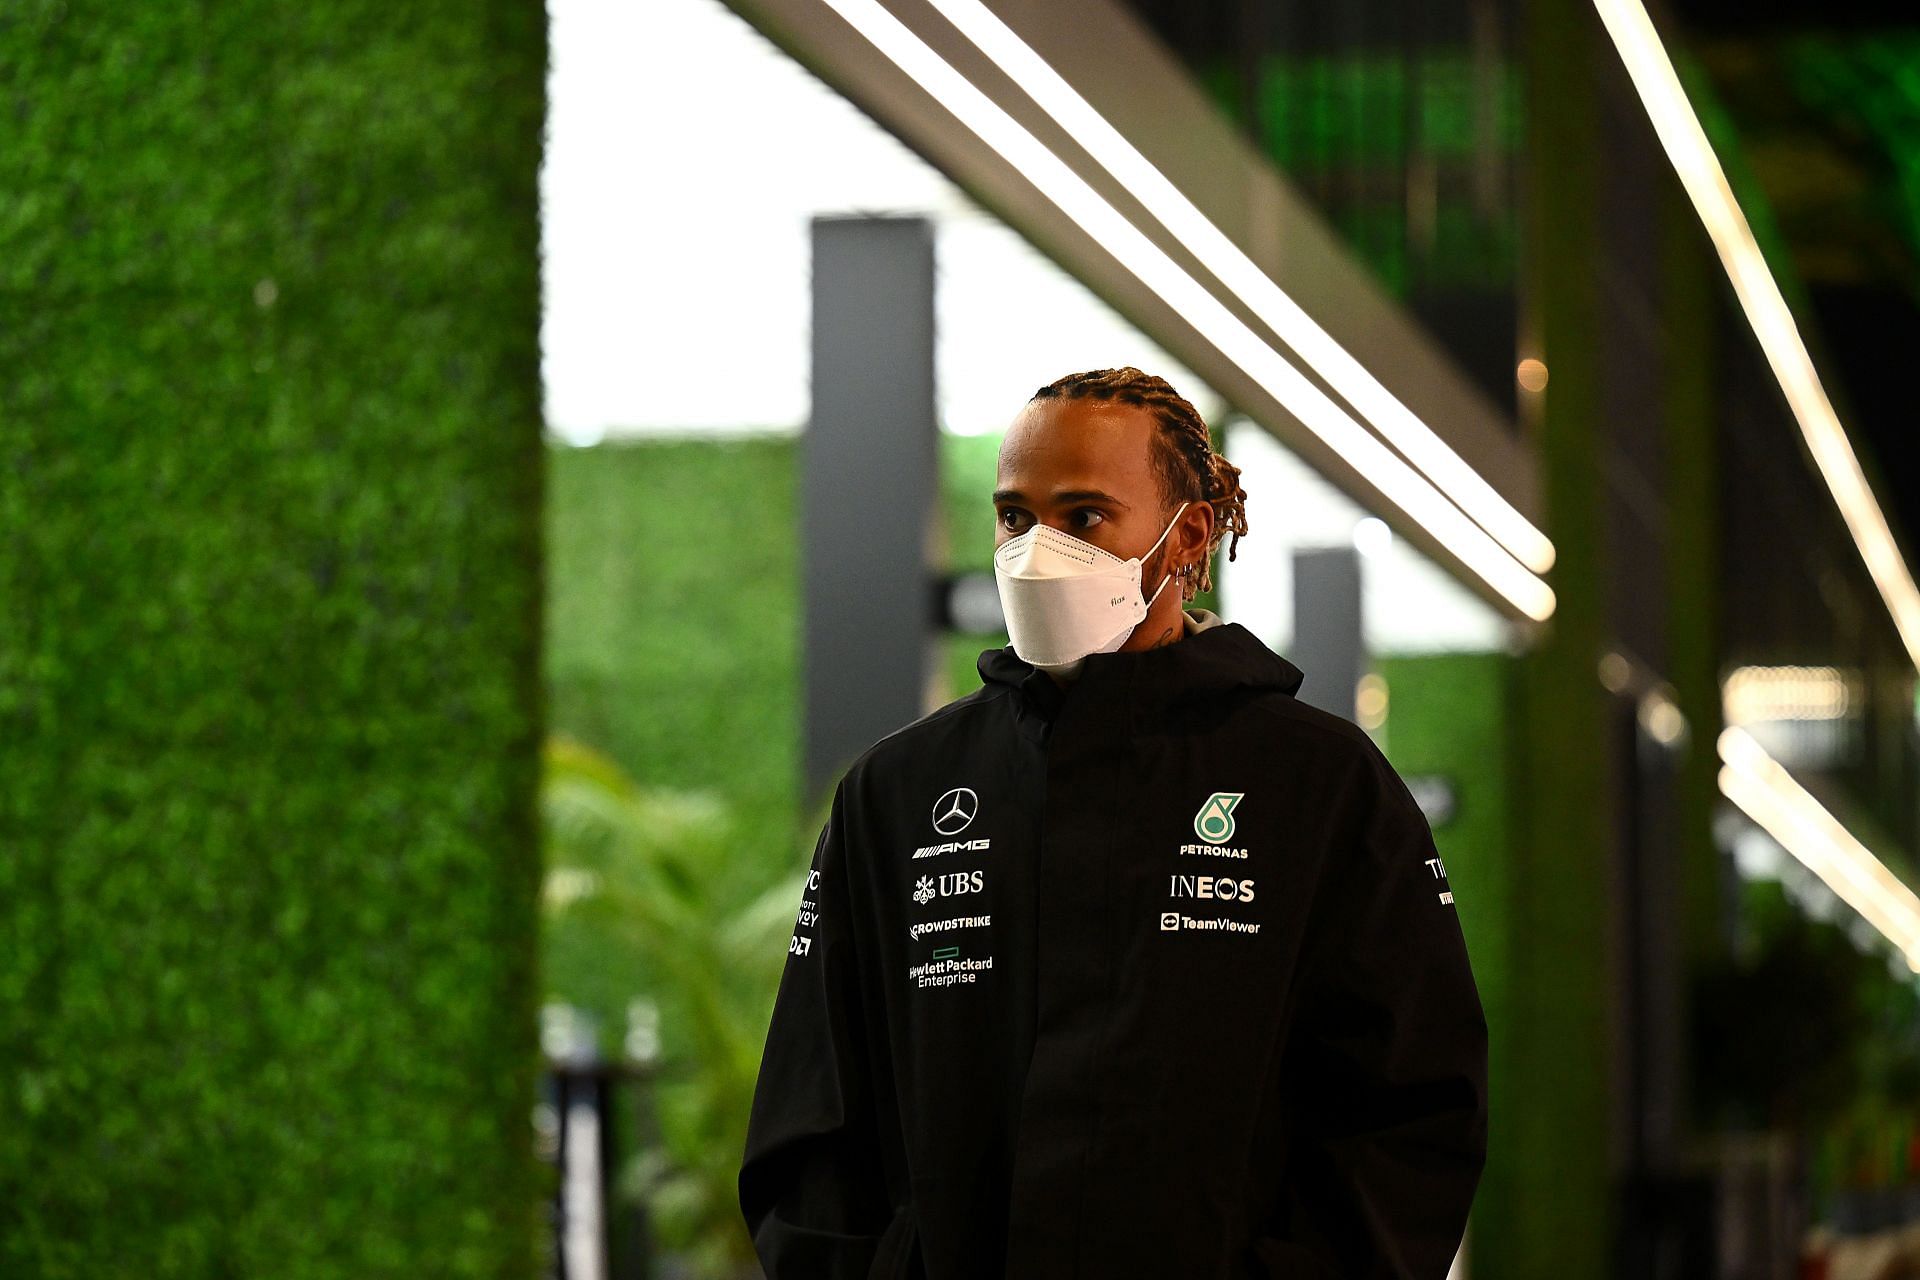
{"x": 1327, "y": 643}
{"x": 868, "y": 487}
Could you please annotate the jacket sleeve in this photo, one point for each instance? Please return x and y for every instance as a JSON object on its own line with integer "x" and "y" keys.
{"x": 811, "y": 1184}
{"x": 1388, "y": 1059}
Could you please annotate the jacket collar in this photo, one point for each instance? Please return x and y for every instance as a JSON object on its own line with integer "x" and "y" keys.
{"x": 1215, "y": 659}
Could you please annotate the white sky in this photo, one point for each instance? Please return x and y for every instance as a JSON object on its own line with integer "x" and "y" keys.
{"x": 685, "y": 158}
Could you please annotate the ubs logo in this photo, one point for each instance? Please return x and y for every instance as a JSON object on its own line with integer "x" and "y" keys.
{"x": 954, "y": 811}
{"x": 952, "y": 884}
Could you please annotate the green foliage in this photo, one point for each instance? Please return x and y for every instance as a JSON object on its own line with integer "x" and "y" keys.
{"x": 684, "y": 685}
{"x": 269, "y": 592}
{"x": 1867, "y": 91}
{"x": 1801, "y": 1028}
{"x": 672, "y": 791}
{"x": 1776, "y": 1031}
{"x": 1348, "y": 115}
{"x": 967, "y": 468}
{"x": 661, "y": 896}
{"x": 1447, "y": 718}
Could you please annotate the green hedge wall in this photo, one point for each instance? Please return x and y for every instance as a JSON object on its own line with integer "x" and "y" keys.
{"x": 686, "y": 687}
{"x": 270, "y": 484}
{"x": 1449, "y": 715}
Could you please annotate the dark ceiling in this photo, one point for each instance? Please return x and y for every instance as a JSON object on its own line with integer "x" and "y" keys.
{"x": 1825, "y": 102}
{"x": 1750, "y": 18}
{"x": 1815, "y": 108}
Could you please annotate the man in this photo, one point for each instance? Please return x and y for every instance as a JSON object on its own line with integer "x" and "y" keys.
{"x": 1126, "y": 964}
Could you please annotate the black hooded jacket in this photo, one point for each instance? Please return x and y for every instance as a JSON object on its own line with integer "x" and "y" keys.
{"x": 1155, "y": 974}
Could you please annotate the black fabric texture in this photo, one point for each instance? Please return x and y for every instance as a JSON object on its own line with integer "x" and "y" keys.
{"x": 1154, "y": 974}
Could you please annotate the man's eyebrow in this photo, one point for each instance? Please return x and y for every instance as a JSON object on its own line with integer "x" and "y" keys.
{"x": 1064, "y": 495}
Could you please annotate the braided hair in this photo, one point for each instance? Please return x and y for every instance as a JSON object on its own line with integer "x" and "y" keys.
{"x": 1189, "y": 469}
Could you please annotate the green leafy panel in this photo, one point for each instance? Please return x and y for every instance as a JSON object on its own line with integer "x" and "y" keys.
{"x": 1365, "y": 134}
{"x": 691, "y": 689}
{"x": 270, "y": 479}
{"x": 1446, "y": 730}
{"x": 673, "y": 623}
{"x": 1868, "y": 91}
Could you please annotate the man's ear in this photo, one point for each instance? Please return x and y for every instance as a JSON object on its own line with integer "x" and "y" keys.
{"x": 1195, "y": 531}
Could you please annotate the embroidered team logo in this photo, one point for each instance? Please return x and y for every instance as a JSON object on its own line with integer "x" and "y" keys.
{"x": 953, "y": 812}
{"x": 1214, "y": 822}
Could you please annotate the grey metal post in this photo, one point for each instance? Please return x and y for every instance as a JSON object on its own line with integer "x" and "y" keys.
{"x": 868, "y": 487}
{"x": 1328, "y": 645}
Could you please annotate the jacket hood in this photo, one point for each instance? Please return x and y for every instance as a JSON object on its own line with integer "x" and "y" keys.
{"x": 1215, "y": 661}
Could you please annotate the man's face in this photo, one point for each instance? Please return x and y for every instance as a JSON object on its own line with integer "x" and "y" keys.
{"x": 1084, "y": 467}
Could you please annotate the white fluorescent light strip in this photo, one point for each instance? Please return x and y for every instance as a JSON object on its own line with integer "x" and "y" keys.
{"x": 1706, "y": 183}
{"x": 1765, "y": 809}
{"x": 1239, "y": 273}
{"x": 1785, "y": 693}
{"x": 1761, "y": 786}
{"x": 1400, "y": 483}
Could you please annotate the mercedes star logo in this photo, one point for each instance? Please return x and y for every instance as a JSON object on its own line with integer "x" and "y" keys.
{"x": 954, "y": 810}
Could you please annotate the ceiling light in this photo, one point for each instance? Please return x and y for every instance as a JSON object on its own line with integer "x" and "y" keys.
{"x": 1786, "y": 693}
{"x": 1759, "y": 294}
{"x": 1399, "y": 483}
{"x": 1240, "y": 274}
{"x": 1763, "y": 788}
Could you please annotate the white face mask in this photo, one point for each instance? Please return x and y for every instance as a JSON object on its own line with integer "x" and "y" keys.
{"x": 1065, "y": 598}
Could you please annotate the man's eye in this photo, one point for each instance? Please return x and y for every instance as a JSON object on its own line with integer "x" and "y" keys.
{"x": 1086, "y": 517}
{"x": 1012, "y": 517}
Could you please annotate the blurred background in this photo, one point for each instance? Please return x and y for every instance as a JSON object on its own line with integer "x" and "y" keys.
{"x": 472, "y": 476}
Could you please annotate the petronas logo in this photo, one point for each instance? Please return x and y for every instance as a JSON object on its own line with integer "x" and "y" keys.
{"x": 1214, "y": 822}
